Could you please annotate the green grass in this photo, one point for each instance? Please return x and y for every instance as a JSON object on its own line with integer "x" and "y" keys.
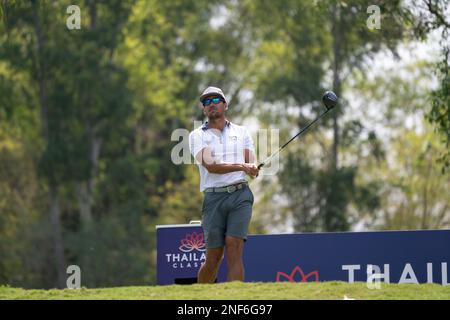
{"x": 240, "y": 291}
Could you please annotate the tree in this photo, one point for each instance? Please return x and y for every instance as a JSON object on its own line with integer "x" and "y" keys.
{"x": 414, "y": 194}
{"x": 307, "y": 58}
{"x": 106, "y": 99}
{"x": 410, "y": 186}
{"x": 425, "y": 18}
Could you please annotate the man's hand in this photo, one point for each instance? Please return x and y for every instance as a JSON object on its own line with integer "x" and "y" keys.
{"x": 251, "y": 169}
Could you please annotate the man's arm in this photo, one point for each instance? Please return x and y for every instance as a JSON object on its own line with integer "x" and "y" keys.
{"x": 205, "y": 157}
{"x": 249, "y": 156}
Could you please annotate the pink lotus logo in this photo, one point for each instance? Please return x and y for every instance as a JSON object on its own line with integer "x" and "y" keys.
{"x": 193, "y": 241}
{"x": 301, "y": 275}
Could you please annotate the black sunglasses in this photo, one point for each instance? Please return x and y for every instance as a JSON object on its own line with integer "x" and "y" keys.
{"x": 206, "y": 102}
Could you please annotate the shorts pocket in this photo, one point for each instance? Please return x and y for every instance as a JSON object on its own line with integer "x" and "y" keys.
{"x": 251, "y": 197}
{"x": 206, "y": 202}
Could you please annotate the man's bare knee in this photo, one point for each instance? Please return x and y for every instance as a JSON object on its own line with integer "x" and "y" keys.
{"x": 234, "y": 246}
{"x": 233, "y": 242}
{"x": 214, "y": 257}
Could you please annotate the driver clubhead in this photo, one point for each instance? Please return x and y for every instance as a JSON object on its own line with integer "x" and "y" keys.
{"x": 329, "y": 99}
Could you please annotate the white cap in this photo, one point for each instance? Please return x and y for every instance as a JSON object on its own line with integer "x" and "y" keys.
{"x": 213, "y": 91}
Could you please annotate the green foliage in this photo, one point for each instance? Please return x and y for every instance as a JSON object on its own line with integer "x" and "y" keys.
{"x": 440, "y": 110}
{"x": 322, "y": 198}
{"x": 289, "y": 53}
{"x": 183, "y": 202}
{"x": 114, "y": 251}
{"x": 95, "y": 109}
{"x": 415, "y": 190}
{"x": 18, "y": 189}
{"x": 409, "y": 183}
{"x": 98, "y": 94}
{"x": 431, "y": 18}
{"x": 309, "y": 39}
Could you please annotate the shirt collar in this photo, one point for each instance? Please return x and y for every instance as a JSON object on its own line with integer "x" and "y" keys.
{"x": 205, "y": 125}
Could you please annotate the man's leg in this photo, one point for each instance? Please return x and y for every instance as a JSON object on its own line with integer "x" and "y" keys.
{"x": 208, "y": 271}
{"x": 234, "y": 251}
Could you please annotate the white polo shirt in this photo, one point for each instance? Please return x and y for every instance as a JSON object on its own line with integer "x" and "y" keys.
{"x": 227, "y": 147}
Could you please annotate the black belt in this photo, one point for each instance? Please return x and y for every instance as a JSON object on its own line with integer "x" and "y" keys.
{"x": 230, "y": 189}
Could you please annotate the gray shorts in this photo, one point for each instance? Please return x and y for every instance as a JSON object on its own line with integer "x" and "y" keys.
{"x": 226, "y": 214}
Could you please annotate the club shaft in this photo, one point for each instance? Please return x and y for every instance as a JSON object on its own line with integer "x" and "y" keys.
{"x": 284, "y": 145}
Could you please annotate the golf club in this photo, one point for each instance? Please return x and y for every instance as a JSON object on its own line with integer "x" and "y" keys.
{"x": 329, "y": 100}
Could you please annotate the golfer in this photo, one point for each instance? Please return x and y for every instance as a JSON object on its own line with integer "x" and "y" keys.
{"x": 225, "y": 156}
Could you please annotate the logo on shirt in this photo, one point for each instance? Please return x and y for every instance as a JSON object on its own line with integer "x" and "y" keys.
{"x": 233, "y": 138}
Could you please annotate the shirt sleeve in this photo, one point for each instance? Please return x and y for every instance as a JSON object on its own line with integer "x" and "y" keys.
{"x": 196, "y": 143}
{"x": 248, "y": 141}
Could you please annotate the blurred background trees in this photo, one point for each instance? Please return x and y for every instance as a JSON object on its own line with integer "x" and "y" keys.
{"x": 86, "y": 118}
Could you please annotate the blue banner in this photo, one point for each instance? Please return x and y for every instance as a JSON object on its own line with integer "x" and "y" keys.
{"x": 386, "y": 256}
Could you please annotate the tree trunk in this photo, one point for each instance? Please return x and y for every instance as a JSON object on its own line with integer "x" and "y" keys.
{"x": 41, "y": 71}
{"x": 93, "y": 13}
{"x": 86, "y": 188}
{"x": 336, "y": 82}
{"x": 337, "y": 90}
{"x": 96, "y": 146}
{"x": 425, "y": 213}
{"x": 58, "y": 246}
{"x": 84, "y": 203}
